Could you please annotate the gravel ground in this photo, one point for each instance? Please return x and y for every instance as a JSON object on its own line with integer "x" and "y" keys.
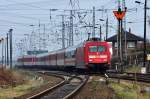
{"x": 96, "y": 89}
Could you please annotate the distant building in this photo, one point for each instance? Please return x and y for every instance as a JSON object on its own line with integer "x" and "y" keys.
{"x": 133, "y": 42}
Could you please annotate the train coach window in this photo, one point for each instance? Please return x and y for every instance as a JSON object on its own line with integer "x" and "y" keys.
{"x": 73, "y": 53}
{"x": 70, "y": 54}
{"x": 101, "y": 48}
{"x": 67, "y": 54}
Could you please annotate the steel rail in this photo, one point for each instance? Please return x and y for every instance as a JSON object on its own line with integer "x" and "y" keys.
{"x": 68, "y": 89}
{"x": 73, "y": 93}
{"x": 47, "y": 90}
{"x": 131, "y": 76}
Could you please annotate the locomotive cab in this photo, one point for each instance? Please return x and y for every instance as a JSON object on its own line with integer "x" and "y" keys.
{"x": 98, "y": 55}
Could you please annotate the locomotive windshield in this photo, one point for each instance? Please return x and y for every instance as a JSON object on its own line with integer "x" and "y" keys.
{"x": 97, "y": 48}
{"x": 93, "y": 48}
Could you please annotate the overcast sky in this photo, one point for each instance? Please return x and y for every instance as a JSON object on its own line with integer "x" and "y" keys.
{"x": 20, "y": 14}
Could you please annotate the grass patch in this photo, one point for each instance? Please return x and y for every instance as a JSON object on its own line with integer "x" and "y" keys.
{"x": 19, "y": 90}
{"x": 129, "y": 91}
{"x": 98, "y": 90}
{"x": 133, "y": 69}
{"x": 29, "y": 83}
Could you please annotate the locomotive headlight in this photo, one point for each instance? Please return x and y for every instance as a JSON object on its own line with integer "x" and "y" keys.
{"x": 103, "y": 56}
{"x": 92, "y": 56}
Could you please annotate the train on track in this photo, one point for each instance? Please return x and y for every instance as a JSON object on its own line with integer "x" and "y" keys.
{"x": 92, "y": 54}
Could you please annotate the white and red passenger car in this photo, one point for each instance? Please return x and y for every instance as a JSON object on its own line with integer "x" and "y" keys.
{"x": 87, "y": 55}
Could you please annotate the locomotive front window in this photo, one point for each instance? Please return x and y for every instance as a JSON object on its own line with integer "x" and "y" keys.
{"x": 93, "y": 48}
{"x": 101, "y": 48}
{"x": 97, "y": 49}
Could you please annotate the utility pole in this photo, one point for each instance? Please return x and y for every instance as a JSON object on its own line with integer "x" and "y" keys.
{"x": 89, "y": 36}
{"x": 106, "y": 28}
{"x": 145, "y": 14}
{"x": 32, "y": 39}
{"x": 124, "y": 27}
{"x": 44, "y": 38}
{"x": 71, "y": 29}
{"x": 100, "y": 30}
{"x": 121, "y": 42}
{"x": 68, "y": 32}
{"x": 63, "y": 32}
{"x": 7, "y": 49}
{"x": 10, "y": 40}
{"x": 39, "y": 36}
{"x": 120, "y": 39}
{"x": 93, "y": 33}
{"x": 2, "y": 42}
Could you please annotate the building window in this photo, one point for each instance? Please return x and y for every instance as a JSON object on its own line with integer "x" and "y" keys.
{"x": 131, "y": 44}
{"x": 116, "y": 44}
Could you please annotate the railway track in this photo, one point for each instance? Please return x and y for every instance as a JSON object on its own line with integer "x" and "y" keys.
{"x": 131, "y": 76}
{"x": 67, "y": 90}
{"x": 63, "y": 90}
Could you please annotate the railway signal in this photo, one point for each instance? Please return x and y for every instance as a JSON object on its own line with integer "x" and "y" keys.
{"x": 119, "y": 15}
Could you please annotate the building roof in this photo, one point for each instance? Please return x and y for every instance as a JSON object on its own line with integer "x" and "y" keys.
{"x": 130, "y": 37}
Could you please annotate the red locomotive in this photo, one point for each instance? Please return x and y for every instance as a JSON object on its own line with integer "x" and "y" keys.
{"x": 91, "y": 54}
